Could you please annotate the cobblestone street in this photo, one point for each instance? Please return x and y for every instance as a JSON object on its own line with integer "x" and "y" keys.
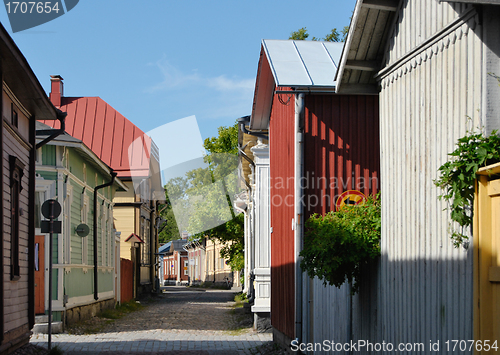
{"x": 179, "y": 321}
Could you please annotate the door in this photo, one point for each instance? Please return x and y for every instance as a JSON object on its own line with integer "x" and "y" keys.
{"x": 487, "y": 260}
{"x": 39, "y": 274}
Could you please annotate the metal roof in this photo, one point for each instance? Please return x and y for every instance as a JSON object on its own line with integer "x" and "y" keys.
{"x": 165, "y": 248}
{"x": 43, "y": 131}
{"x": 303, "y": 65}
{"x": 110, "y": 135}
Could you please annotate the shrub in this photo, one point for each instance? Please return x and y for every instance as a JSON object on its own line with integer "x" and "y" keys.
{"x": 338, "y": 244}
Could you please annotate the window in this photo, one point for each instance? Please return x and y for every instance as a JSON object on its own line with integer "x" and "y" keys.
{"x": 185, "y": 267}
{"x": 16, "y": 175}
{"x": 146, "y": 238}
{"x": 13, "y": 116}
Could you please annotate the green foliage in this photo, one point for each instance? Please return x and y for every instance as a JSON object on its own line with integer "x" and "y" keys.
{"x": 338, "y": 244}
{"x": 300, "y": 34}
{"x": 458, "y": 175}
{"x": 333, "y": 36}
{"x": 212, "y": 187}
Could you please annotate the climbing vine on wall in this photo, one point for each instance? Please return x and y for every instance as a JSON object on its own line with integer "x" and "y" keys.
{"x": 458, "y": 175}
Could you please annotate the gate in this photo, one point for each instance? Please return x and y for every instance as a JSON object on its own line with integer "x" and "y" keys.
{"x": 487, "y": 256}
{"x": 126, "y": 280}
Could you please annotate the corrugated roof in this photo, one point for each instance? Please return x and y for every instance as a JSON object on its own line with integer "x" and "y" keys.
{"x": 303, "y": 65}
{"x": 110, "y": 135}
{"x": 165, "y": 248}
{"x": 43, "y": 131}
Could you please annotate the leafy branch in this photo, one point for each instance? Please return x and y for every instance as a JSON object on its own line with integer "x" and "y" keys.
{"x": 458, "y": 175}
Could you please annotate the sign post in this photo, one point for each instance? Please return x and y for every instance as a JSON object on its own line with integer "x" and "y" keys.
{"x": 51, "y": 209}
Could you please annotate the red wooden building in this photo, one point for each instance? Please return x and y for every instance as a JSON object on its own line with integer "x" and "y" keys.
{"x": 174, "y": 260}
{"x": 321, "y": 144}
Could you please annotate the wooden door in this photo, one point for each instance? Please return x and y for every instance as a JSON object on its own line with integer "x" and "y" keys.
{"x": 39, "y": 274}
{"x": 487, "y": 260}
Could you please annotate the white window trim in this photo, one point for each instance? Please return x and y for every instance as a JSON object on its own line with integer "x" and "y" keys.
{"x": 84, "y": 219}
{"x": 67, "y": 221}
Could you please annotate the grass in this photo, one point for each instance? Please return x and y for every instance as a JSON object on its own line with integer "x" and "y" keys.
{"x": 212, "y": 285}
{"x": 121, "y": 310}
{"x": 108, "y": 316}
{"x": 240, "y": 298}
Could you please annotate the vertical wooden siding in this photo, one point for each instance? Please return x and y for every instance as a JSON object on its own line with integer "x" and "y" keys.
{"x": 426, "y": 284}
{"x": 342, "y": 152}
{"x": 341, "y": 149}
{"x": 281, "y": 156}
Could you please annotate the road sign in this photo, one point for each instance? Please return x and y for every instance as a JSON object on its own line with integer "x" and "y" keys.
{"x": 51, "y": 209}
{"x": 350, "y": 197}
{"x": 82, "y": 230}
{"x": 50, "y": 226}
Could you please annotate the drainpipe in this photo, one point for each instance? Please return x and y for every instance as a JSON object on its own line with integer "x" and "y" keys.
{"x": 113, "y": 175}
{"x": 251, "y": 239}
{"x": 61, "y": 116}
{"x": 299, "y": 209}
{"x": 245, "y": 120}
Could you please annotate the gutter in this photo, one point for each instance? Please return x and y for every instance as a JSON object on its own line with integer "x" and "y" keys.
{"x": 249, "y": 230}
{"x": 242, "y": 121}
{"x": 298, "y": 224}
{"x": 113, "y": 175}
{"x": 61, "y": 116}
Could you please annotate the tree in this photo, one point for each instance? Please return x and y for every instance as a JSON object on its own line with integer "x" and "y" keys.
{"x": 301, "y": 34}
{"x": 202, "y": 198}
{"x": 333, "y": 36}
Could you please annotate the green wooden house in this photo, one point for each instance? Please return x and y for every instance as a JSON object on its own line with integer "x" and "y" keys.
{"x": 85, "y": 279}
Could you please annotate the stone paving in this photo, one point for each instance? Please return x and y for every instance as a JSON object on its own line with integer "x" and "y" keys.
{"x": 180, "y": 321}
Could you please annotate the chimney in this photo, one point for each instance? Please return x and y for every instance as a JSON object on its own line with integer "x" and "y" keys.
{"x": 56, "y": 90}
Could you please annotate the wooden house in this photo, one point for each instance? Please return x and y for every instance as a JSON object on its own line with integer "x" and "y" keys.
{"x": 205, "y": 264}
{"x": 68, "y": 171}
{"x": 434, "y": 65}
{"x": 320, "y": 145}
{"x": 135, "y": 158}
{"x": 174, "y": 263}
{"x": 23, "y": 101}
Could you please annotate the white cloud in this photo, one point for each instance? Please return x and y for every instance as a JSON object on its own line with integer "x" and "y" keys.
{"x": 216, "y": 97}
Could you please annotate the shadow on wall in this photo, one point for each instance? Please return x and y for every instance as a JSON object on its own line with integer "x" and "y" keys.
{"x": 408, "y": 301}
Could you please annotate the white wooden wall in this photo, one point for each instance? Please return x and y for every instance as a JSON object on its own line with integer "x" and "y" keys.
{"x": 421, "y": 290}
{"x": 433, "y": 83}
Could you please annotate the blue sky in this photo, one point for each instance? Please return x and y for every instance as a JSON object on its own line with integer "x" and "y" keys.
{"x": 159, "y": 61}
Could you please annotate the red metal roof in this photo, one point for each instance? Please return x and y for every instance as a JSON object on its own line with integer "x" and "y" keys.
{"x": 134, "y": 238}
{"x": 111, "y": 136}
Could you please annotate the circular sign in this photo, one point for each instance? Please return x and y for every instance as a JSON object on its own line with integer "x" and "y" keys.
{"x": 82, "y": 230}
{"x": 351, "y": 198}
{"x": 51, "y": 209}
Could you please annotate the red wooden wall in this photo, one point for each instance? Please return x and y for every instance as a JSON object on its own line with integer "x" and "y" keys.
{"x": 342, "y": 152}
{"x": 281, "y": 156}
